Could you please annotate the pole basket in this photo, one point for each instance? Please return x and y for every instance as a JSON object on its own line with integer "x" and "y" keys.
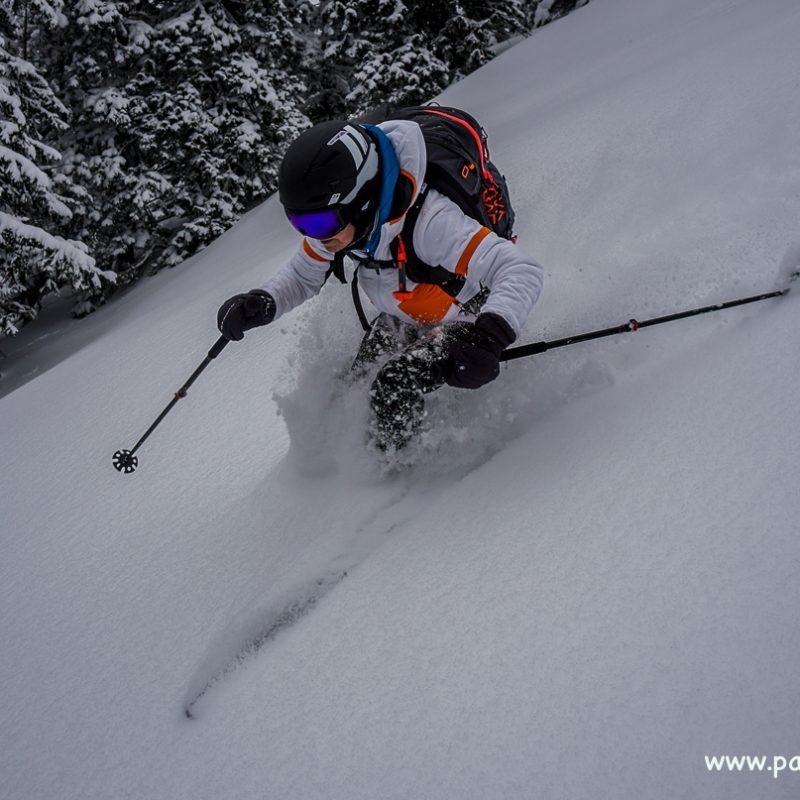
{"x": 125, "y": 461}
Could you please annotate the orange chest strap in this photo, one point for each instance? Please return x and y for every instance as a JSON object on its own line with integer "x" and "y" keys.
{"x": 401, "y": 293}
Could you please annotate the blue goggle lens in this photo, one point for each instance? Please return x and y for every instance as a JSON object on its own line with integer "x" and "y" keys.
{"x": 317, "y": 224}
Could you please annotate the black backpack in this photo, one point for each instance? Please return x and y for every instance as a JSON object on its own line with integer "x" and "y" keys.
{"x": 458, "y": 166}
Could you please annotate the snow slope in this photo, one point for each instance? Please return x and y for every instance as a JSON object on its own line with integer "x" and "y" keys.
{"x": 585, "y": 583}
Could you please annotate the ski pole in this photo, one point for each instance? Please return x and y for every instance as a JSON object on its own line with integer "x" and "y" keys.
{"x": 125, "y": 460}
{"x": 633, "y": 325}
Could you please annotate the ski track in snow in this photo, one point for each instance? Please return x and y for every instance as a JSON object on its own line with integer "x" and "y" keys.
{"x": 273, "y": 624}
{"x": 264, "y": 623}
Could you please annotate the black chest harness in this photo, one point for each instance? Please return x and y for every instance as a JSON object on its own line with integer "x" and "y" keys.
{"x": 409, "y": 266}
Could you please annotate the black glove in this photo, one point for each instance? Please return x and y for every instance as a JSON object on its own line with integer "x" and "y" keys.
{"x": 473, "y": 357}
{"x": 244, "y": 311}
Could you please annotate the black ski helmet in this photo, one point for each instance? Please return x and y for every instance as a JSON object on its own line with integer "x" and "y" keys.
{"x": 335, "y": 164}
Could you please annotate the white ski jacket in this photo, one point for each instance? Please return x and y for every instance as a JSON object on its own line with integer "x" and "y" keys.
{"x": 443, "y": 236}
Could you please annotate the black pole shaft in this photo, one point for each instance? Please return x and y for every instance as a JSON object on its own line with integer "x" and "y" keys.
{"x": 218, "y": 347}
{"x": 633, "y": 325}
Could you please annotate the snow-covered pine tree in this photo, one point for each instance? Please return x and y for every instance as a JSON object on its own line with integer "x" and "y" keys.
{"x": 402, "y": 51}
{"x": 211, "y": 109}
{"x": 459, "y": 33}
{"x": 35, "y": 259}
{"x": 390, "y": 59}
{"x": 507, "y": 19}
{"x": 541, "y": 12}
{"x": 408, "y": 74}
{"x": 334, "y": 29}
{"x": 465, "y": 33}
{"x": 93, "y": 56}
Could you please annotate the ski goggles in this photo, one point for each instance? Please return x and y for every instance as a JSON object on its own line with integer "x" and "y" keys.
{"x": 323, "y": 224}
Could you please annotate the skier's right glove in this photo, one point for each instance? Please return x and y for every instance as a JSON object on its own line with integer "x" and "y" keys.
{"x": 242, "y": 312}
{"x": 474, "y": 351}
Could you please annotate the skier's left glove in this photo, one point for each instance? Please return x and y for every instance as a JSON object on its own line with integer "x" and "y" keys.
{"x": 242, "y": 312}
{"x": 473, "y": 357}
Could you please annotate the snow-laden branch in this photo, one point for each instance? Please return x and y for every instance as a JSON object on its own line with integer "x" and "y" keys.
{"x": 67, "y": 249}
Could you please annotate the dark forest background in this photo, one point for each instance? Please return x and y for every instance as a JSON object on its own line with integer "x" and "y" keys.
{"x": 132, "y": 134}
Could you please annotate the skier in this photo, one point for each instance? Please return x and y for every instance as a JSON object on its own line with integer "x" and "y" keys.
{"x": 352, "y": 189}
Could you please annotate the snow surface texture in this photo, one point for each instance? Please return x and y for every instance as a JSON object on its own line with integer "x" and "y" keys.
{"x": 586, "y": 582}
